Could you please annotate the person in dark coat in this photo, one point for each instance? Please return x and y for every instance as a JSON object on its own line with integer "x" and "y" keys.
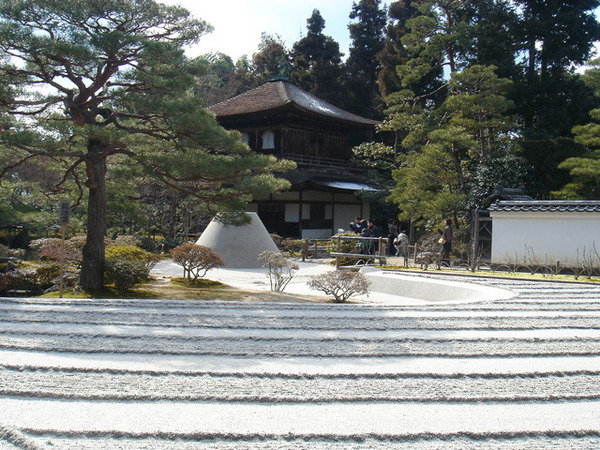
{"x": 358, "y": 225}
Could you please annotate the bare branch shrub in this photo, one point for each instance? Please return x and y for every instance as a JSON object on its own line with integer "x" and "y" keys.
{"x": 196, "y": 260}
{"x": 589, "y": 263}
{"x": 281, "y": 269}
{"x": 341, "y": 284}
{"x": 54, "y": 249}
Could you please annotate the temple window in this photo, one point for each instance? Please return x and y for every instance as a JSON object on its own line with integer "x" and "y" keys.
{"x": 268, "y": 140}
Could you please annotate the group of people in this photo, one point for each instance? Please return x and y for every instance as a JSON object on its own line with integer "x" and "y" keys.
{"x": 398, "y": 239}
{"x": 365, "y": 228}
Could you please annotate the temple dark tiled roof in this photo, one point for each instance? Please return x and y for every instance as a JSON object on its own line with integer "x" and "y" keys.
{"x": 278, "y": 94}
{"x": 547, "y": 205}
{"x": 502, "y": 193}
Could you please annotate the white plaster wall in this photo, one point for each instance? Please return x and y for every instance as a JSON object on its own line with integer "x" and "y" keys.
{"x": 343, "y": 214}
{"x": 544, "y": 237}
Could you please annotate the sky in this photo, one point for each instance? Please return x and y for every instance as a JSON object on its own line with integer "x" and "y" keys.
{"x": 238, "y": 24}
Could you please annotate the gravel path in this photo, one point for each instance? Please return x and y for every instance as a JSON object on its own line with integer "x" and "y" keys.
{"x": 522, "y": 373}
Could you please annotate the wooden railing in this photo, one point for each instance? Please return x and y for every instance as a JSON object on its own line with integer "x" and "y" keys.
{"x": 313, "y": 248}
{"x": 365, "y": 250}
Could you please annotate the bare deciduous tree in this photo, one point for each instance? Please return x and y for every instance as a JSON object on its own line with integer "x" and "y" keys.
{"x": 281, "y": 269}
{"x": 196, "y": 260}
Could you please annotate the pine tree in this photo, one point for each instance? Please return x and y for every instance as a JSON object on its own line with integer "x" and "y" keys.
{"x": 367, "y": 35}
{"x": 436, "y": 177}
{"x": 316, "y": 62}
{"x": 584, "y": 169}
{"x": 556, "y": 36}
{"x": 394, "y": 53}
{"x": 98, "y": 79}
{"x": 272, "y": 59}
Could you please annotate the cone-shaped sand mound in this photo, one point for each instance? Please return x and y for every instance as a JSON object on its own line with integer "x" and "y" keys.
{"x": 238, "y": 246}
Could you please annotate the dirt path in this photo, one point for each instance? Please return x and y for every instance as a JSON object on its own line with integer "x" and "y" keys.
{"x": 161, "y": 287}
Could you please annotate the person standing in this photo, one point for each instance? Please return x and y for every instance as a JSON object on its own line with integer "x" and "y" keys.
{"x": 373, "y": 230}
{"x": 401, "y": 244}
{"x": 392, "y": 234}
{"x": 446, "y": 241}
{"x": 370, "y": 231}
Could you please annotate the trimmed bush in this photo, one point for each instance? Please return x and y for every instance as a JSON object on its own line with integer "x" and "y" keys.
{"x": 11, "y": 252}
{"x": 123, "y": 241}
{"x": 196, "y": 260}
{"x": 54, "y": 249}
{"x": 341, "y": 284}
{"x": 47, "y": 273}
{"x": 125, "y": 273}
{"x": 127, "y": 265}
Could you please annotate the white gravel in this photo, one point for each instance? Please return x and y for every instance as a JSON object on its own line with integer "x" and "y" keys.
{"x": 513, "y": 374}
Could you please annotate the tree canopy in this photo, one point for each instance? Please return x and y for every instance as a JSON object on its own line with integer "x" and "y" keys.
{"x": 482, "y": 81}
{"x": 316, "y": 61}
{"x": 87, "y": 81}
{"x": 98, "y": 98}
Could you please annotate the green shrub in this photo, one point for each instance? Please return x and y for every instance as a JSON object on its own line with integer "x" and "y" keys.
{"x": 131, "y": 252}
{"x": 123, "y": 240}
{"x": 287, "y": 245}
{"x": 125, "y": 273}
{"x": 345, "y": 246}
{"x": 291, "y": 246}
{"x": 167, "y": 244}
{"x": 78, "y": 241}
{"x": 46, "y": 273}
{"x": 127, "y": 265}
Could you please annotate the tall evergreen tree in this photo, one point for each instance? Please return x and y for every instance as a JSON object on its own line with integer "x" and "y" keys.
{"x": 367, "y": 35}
{"x": 451, "y": 116}
{"x": 394, "y": 53}
{"x": 217, "y": 78}
{"x": 584, "y": 168}
{"x": 316, "y": 62}
{"x": 436, "y": 178}
{"x": 555, "y": 36}
{"x": 489, "y": 37}
{"x": 550, "y": 97}
{"x": 271, "y": 59}
{"x": 433, "y": 53}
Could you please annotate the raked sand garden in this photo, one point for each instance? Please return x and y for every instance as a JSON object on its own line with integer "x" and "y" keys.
{"x": 522, "y": 372}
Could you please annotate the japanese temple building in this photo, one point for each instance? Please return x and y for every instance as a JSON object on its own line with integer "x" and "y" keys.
{"x": 283, "y": 120}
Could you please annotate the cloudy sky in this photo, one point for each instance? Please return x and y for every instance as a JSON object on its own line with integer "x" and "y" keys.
{"x": 238, "y": 24}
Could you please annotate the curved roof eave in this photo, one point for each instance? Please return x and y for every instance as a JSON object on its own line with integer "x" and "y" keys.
{"x": 274, "y": 95}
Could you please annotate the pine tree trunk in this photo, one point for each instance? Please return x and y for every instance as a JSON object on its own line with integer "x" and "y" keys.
{"x": 92, "y": 265}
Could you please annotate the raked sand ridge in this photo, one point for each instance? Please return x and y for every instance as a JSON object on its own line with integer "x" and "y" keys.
{"x": 514, "y": 373}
